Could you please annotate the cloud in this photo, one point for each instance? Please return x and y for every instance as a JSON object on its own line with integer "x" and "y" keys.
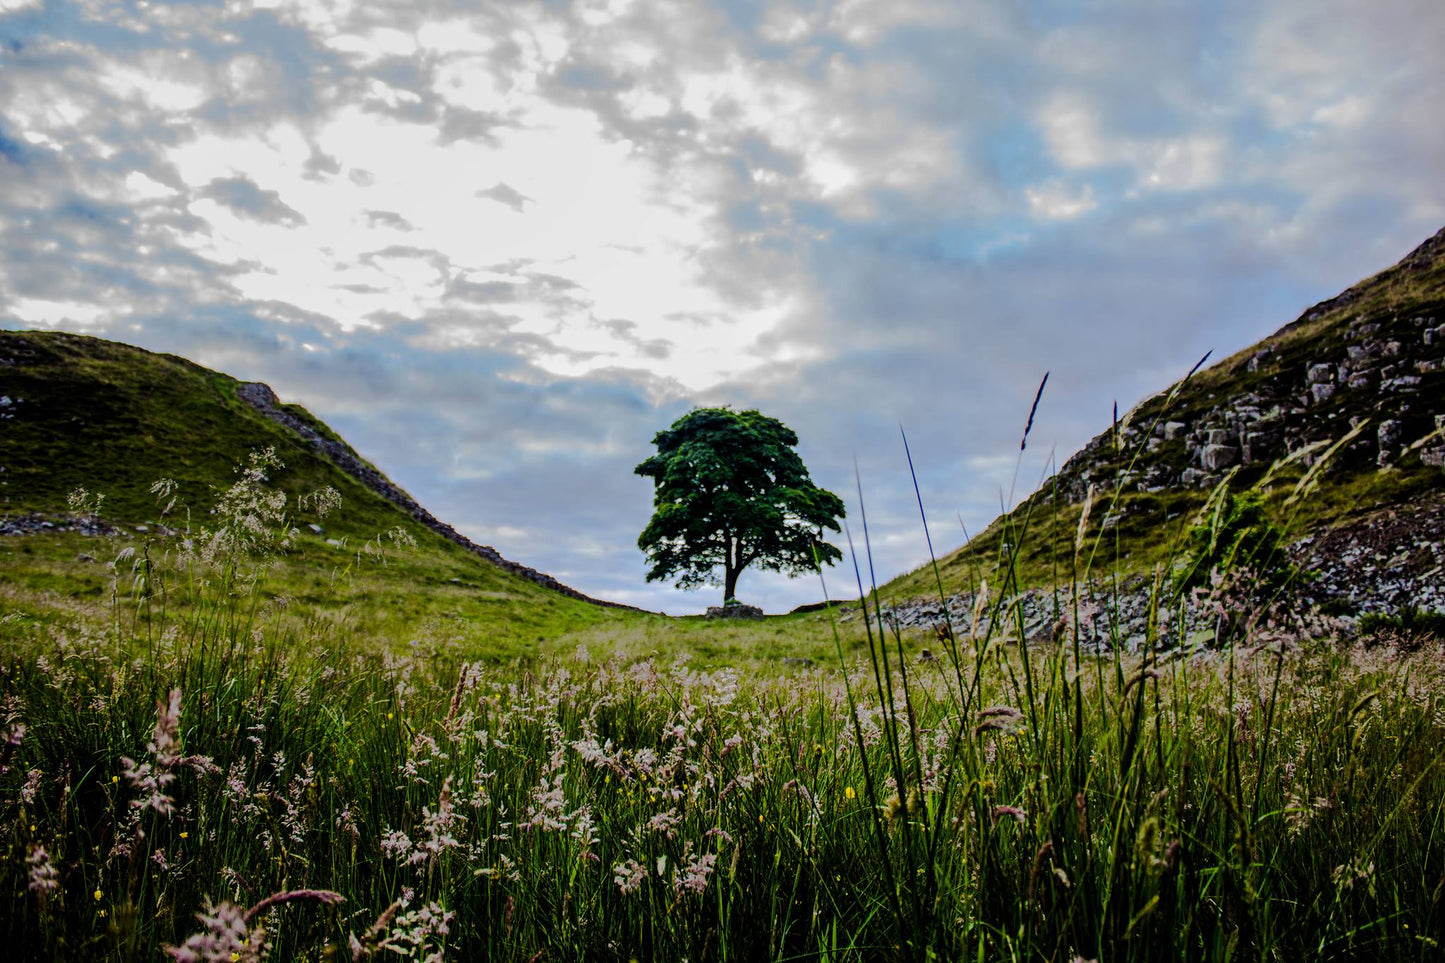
{"x": 247, "y": 199}
{"x": 388, "y": 219}
{"x": 500, "y": 246}
{"x": 505, "y": 195}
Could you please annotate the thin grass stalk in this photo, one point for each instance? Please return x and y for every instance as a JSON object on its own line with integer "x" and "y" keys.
{"x": 892, "y": 735}
{"x": 870, "y": 784}
{"x": 951, "y": 647}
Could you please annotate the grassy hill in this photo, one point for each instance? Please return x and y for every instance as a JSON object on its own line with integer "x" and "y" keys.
{"x": 1368, "y": 365}
{"x": 83, "y": 413}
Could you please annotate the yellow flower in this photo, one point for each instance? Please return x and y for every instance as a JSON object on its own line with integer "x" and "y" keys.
{"x": 185, "y": 835}
{"x": 849, "y": 792}
{"x": 115, "y": 779}
{"x": 97, "y": 894}
{"x": 390, "y": 715}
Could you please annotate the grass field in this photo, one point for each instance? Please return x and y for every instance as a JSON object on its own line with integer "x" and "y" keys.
{"x": 201, "y": 759}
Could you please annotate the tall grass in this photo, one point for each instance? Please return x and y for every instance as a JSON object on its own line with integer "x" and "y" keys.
{"x": 213, "y": 780}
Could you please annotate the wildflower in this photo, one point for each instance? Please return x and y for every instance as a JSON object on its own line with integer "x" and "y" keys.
{"x": 438, "y": 827}
{"x": 546, "y": 808}
{"x": 999, "y": 719}
{"x": 347, "y": 824}
{"x": 628, "y": 875}
{"x": 152, "y": 777}
{"x": 43, "y": 877}
{"x": 369, "y": 942}
{"x": 31, "y": 787}
{"x": 418, "y": 930}
{"x": 396, "y": 843}
{"x": 694, "y": 876}
{"x": 665, "y": 823}
{"x": 225, "y": 937}
{"x": 1347, "y": 875}
{"x": 98, "y": 895}
{"x": 850, "y": 793}
{"x": 11, "y": 742}
{"x": 228, "y": 935}
{"x": 1000, "y": 812}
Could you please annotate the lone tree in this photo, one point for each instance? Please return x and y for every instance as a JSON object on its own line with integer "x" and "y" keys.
{"x": 731, "y": 492}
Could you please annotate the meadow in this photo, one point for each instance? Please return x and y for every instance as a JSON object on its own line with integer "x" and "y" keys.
{"x": 197, "y": 768}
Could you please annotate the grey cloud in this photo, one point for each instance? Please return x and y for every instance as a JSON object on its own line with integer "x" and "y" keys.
{"x": 243, "y": 196}
{"x": 459, "y": 123}
{"x": 506, "y": 195}
{"x": 388, "y": 219}
{"x": 321, "y": 163}
{"x": 657, "y": 348}
{"x": 562, "y": 297}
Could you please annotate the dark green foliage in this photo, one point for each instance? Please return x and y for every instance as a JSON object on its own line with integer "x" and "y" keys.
{"x": 1237, "y": 536}
{"x": 1409, "y": 621}
{"x": 732, "y": 492}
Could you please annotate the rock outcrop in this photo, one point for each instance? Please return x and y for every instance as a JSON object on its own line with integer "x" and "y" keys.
{"x": 1365, "y": 369}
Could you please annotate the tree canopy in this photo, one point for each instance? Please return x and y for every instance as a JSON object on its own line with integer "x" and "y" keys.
{"x": 731, "y": 491}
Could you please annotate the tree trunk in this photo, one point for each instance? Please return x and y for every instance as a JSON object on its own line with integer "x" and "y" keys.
{"x": 730, "y": 581}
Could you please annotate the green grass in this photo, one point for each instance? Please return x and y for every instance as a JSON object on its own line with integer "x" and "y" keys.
{"x": 665, "y": 789}
{"x": 351, "y": 593}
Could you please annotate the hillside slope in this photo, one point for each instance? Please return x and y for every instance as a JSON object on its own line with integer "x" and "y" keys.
{"x": 79, "y": 412}
{"x": 1371, "y": 360}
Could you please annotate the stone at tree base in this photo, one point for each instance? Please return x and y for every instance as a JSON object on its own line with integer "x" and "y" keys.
{"x": 736, "y": 610}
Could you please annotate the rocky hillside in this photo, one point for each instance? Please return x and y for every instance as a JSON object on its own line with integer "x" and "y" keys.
{"x": 1367, "y": 366}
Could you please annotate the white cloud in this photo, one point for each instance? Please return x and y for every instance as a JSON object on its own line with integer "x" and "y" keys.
{"x": 1056, "y": 201}
{"x": 54, "y": 313}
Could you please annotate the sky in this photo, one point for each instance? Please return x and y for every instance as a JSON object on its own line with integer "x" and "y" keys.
{"x": 499, "y": 246}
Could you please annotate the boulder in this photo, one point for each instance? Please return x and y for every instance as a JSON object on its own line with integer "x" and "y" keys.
{"x": 1215, "y": 457}
{"x": 1388, "y": 436}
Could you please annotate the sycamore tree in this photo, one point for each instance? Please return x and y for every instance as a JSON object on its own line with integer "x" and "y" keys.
{"x": 732, "y": 492}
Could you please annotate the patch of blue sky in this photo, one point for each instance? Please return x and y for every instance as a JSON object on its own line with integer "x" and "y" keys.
{"x": 11, "y": 149}
{"x": 91, "y": 212}
{"x": 1016, "y": 152}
